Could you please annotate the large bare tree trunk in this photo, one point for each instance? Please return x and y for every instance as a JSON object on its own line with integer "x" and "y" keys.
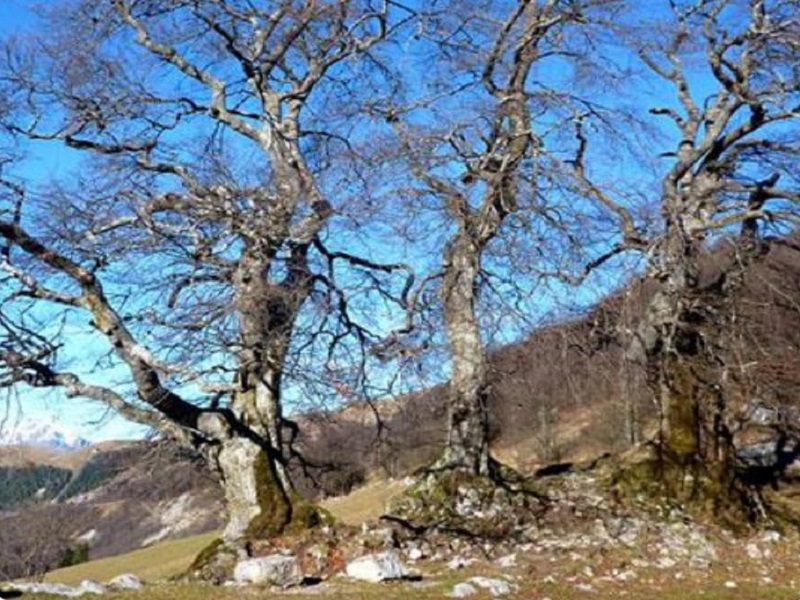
{"x": 468, "y": 420}
{"x": 670, "y": 345}
{"x": 258, "y": 504}
{"x": 684, "y": 330}
{"x": 258, "y": 489}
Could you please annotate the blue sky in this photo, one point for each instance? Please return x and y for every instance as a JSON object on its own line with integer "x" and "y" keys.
{"x": 46, "y": 160}
{"x": 90, "y": 420}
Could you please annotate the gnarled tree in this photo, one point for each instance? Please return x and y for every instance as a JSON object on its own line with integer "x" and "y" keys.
{"x": 195, "y": 235}
{"x": 730, "y": 71}
{"x": 476, "y": 142}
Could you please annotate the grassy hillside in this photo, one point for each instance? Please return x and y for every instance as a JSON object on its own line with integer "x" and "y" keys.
{"x": 138, "y": 492}
{"x": 167, "y": 559}
{"x": 157, "y": 562}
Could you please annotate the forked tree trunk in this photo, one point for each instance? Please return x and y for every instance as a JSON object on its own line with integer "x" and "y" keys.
{"x": 467, "y": 446}
{"x": 260, "y": 501}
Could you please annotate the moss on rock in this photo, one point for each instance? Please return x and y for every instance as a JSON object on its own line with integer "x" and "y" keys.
{"x": 456, "y": 502}
{"x": 214, "y": 563}
{"x": 650, "y": 476}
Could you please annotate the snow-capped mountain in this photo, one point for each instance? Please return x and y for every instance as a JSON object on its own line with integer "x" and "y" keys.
{"x": 47, "y": 434}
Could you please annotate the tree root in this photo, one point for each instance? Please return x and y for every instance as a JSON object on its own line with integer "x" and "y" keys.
{"x": 649, "y": 477}
{"x": 215, "y": 563}
{"x": 453, "y": 502}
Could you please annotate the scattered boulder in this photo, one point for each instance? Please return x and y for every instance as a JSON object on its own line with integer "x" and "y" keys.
{"x": 89, "y": 586}
{"x": 459, "y": 562}
{"x": 762, "y": 439}
{"x": 496, "y": 587}
{"x": 753, "y": 551}
{"x": 376, "y": 567}
{"x": 463, "y": 590}
{"x": 53, "y": 589}
{"x": 759, "y": 446}
{"x": 507, "y": 561}
{"x": 126, "y": 581}
{"x": 277, "y": 570}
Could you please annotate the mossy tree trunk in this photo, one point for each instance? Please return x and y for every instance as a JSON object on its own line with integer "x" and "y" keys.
{"x": 254, "y": 493}
{"x": 683, "y": 339}
{"x": 258, "y": 492}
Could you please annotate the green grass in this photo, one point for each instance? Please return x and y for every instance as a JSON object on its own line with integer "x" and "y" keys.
{"x": 367, "y": 503}
{"x": 430, "y": 590}
{"x": 153, "y": 563}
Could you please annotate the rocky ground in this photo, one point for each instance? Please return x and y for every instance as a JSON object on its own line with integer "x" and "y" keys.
{"x": 581, "y": 547}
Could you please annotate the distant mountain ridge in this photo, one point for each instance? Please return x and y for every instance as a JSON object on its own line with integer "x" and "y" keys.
{"x": 42, "y": 434}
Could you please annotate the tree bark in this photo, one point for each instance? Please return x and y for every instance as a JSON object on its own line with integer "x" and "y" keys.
{"x": 258, "y": 503}
{"x": 467, "y": 445}
{"x": 684, "y": 331}
{"x": 670, "y": 346}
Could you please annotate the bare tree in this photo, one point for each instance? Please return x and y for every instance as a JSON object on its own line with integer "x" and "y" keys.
{"x": 195, "y": 237}
{"x": 480, "y": 156}
{"x": 36, "y": 541}
{"x": 732, "y": 177}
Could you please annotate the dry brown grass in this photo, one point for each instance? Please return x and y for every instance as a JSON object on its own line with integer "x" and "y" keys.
{"x": 364, "y": 504}
{"x": 18, "y": 456}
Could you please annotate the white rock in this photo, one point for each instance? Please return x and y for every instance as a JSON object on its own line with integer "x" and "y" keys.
{"x": 415, "y": 554}
{"x": 771, "y": 536}
{"x": 665, "y": 562}
{"x": 126, "y": 581}
{"x": 88, "y": 586}
{"x": 376, "y": 567}
{"x": 507, "y": 562}
{"x": 754, "y": 552}
{"x": 463, "y": 590}
{"x": 700, "y": 562}
{"x": 278, "y": 570}
{"x": 54, "y": 589}
{"x": 730, "y": 585}
{"x": 87, "y": 537}
{"x": 496, "y": 587}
